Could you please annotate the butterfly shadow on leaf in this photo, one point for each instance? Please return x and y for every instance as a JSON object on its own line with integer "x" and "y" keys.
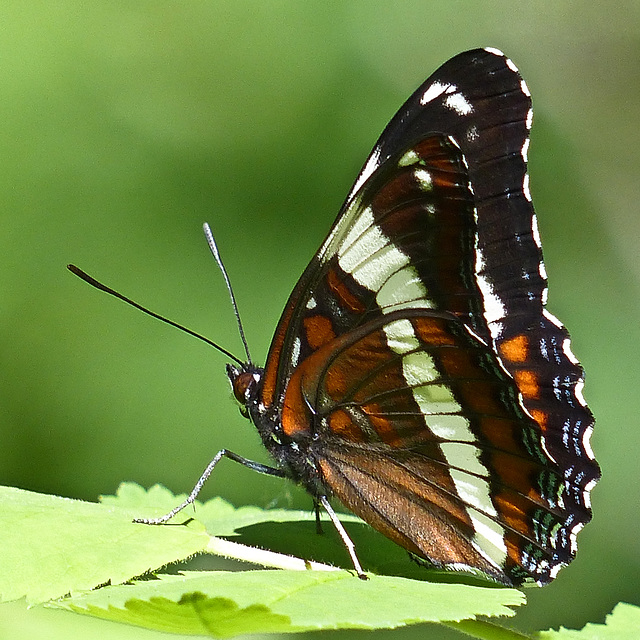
{"x": 301, "y": 539}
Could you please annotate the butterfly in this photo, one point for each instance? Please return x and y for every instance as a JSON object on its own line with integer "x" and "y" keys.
{"x": 415, "y": 374}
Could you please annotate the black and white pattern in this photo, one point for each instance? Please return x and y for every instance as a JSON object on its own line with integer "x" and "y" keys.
{"x": 415, "y": 373}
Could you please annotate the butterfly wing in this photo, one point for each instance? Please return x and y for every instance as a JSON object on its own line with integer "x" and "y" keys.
{"x": 451, "y": 167}
{"x": 419, "y": 430}
{"x": 439, "y": 228}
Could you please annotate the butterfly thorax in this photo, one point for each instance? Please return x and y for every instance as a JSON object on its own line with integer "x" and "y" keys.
{"x": 293, "y": 455}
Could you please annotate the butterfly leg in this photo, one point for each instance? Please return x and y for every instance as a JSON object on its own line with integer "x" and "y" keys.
{"x": 223, "y": 453}
{"x": 316, "y": 508}
{"x": 348, "y": 543}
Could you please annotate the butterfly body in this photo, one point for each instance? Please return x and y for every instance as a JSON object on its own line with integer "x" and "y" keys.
{"x": 414, "y": 373}
{"x": 291, "y": 453}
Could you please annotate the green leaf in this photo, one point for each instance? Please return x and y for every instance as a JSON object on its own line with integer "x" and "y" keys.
{"x": 53, "y": 546}
{"x": 56, "y": 547}
{"x": 623, "y": 623}
{"x": 224, "y": 604}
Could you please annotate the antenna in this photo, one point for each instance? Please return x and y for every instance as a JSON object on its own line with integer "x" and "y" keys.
{"x": 216, "y": 254}
{"x": 98, "y": 285}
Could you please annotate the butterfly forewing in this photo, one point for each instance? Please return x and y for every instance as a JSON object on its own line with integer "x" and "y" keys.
{"x": 467, "y": 122}
{"x": 406, "y": 240}
{"x": 415, "y": 365}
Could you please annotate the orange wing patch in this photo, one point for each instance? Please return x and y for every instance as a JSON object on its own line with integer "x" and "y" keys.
{"x": 540, "y": 417}
{"x": 382, "y": 425}
{"x": 318, "y": 331}
{"x": 528, "y": 384}
{"x": 342, "y": 293}
{"x": 515, "y": 349}
{"x": 340, "y": 423}
{"x": 433, "y": 331}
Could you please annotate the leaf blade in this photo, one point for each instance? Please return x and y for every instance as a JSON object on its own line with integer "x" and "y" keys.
{"x": 224, "y": 604}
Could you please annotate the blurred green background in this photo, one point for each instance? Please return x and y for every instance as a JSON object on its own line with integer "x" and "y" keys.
{"x": 125, "y": 125}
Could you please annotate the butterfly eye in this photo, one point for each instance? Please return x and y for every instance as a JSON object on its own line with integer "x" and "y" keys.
{"x": 243, "y": 384}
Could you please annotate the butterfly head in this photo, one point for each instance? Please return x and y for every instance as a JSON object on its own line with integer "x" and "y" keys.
{"x": 244, "y": 383}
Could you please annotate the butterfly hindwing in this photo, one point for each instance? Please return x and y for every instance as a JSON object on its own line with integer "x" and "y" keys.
{"x": 413, "y": 409}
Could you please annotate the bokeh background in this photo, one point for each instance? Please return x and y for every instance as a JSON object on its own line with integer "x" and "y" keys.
{"x": 125, "y": 125}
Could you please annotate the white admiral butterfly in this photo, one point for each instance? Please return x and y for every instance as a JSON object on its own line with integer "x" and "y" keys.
{"x": 415, "y": 373}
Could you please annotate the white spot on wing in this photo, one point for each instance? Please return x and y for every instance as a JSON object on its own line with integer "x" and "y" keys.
{"x": 403, "y": 289}
{"x": 542, "y": 270}
{"x": 555, "y": 570}
{"x": 529, "y": 120}
{"x": 523, "y": 86}
{"x": 465, "y": 466}
{"x": 492, "y": 532}
{"x": 433, "y": 91}
{"x": 370, "y": 269}
{"x": 424, "y": 179}
{"x": 401, "y": 338}
{"x": 311, "y": 303}
{"x": 409, "y": 158}
{"x": 551, "y": 318}
{"x": 525, "y": 187}
{"x": 587, "y": 491}
{"x": 493, "y": 307}
{"x": 578, "y": 389}
{"x": 362, "y": 223}
{"x": 495, "y": 52}
{"x": 372, "y": 164}
{"x": 524, "y": 152}
{"x": 295, "y": 351}
{"x": 535, "y": 231}
{"x": 573, "y": 535}
{"x": 458, "y": 103}
{"x": 450, "y": 426}
{"x": 420, "y": 370}
{"x": 475, "y": 492}
{"x": 433, "y": 399}
{"x": 566, "y": 348}
{"x": 368, "y": 255}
